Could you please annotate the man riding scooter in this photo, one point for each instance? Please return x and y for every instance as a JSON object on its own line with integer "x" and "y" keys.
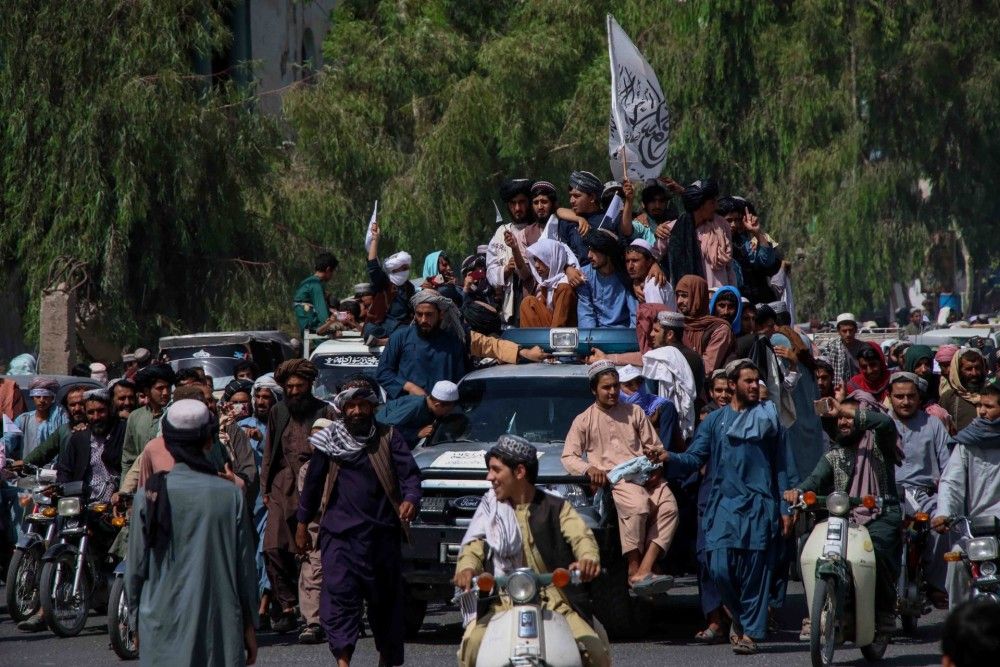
{"x": 513, "y": 509}
{"x": 862, "y": 463}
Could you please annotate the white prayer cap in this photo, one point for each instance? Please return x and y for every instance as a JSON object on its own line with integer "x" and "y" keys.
{"x": 628, "y": 373}
{"x": 600, "y": 366}
{"x": 643, "y": 246}
{"x": 670, "y": 319}
{"x": 847, "y": 317}
{"x": 779, "y": 306}
{"x": 445, "y": 391}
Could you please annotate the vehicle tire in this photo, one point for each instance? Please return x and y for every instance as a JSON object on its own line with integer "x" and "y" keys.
{"x": 22, "y": 584}
{"x": 823, "y": 637}
{"x": 909, "y": 623}
{"x": 120, "y": 628}
{"x": 65, "y": 616}
{"x": 874, "y": 651}
{"x": 622, "y": 616}
{"x": 414, "y": 611}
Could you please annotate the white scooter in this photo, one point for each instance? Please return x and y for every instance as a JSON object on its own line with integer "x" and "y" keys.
{"x": 528, "y": 633}
{"x": 838, "y": 572}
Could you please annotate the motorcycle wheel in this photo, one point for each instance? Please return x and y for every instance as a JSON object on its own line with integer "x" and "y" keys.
{"x": 823, "y": 635}
{"x": 121, "y": 630}
{"x": 22, "y": 584}
{"x": 66, "y": 616}
{"x": 874, "y": 651}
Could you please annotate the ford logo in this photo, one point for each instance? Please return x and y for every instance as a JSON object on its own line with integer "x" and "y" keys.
{"x": 467, "y": 503}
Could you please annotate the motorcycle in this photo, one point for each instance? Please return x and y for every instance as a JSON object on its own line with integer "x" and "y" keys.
{"x": 979, "y": 554}
{"x": 912, "y": 585}
{"x": 122, "y": 619}
{"x": 838, "y": 572}
{"x": 527, "y": 634}
{"x": 36, "y": 496}
{"x": 74, "y": 577}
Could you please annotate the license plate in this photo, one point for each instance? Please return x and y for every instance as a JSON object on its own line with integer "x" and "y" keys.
{"x": 986, "y": 581}
{"x": 836, "y": 533}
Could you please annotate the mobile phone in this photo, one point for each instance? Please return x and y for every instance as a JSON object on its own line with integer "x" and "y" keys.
{"x": 823, "y": 406}
{"x": 478, "y": 274}
{"x": 343, "y": 316}
{"x": 239, "y": 409}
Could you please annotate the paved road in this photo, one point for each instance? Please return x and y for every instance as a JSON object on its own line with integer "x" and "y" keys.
{"x": 435, "y": 647}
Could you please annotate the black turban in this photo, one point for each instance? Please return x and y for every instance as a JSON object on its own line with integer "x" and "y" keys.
{"x": 586, "y": 182}
{"x": 236, "y": 386}
{"x": 653, "y": 188}
{"x": 765, "y": 313}
{"x": 604, "y": 242}
{"x": 698, "y": 193}
{"x": 513, "y": 187}
{"x": 304, "y": 368}
{"x": 148, "y": 376}
{"x": 482, "y": 317}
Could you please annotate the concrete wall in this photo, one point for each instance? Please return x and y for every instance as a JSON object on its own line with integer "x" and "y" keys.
{"x": 280, "y": 32}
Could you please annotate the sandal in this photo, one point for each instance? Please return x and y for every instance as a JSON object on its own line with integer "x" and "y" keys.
{"x": 710, "y": 636}
{"x": 745, "y": 646}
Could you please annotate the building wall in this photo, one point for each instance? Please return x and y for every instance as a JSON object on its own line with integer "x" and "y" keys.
{"x": 281, "y": 32}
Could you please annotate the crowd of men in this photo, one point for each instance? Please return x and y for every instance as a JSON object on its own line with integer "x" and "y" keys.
{"x": 717, "y": 417}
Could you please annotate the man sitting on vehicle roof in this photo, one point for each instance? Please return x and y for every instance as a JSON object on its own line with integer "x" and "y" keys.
{"x": 513, "y": 508}
{"x": 612, "y": 435}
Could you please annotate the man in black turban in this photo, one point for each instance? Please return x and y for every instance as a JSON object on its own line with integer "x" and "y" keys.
{"x": 685, "y": 248}
{"x": 516, "y": 193}
{"x": 506, "y": 267}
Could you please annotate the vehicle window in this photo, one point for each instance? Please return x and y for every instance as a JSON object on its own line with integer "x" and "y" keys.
{"x": 217, "y": 369}
{"x": 539, "y": 409}
{"x": 334, "y": 370}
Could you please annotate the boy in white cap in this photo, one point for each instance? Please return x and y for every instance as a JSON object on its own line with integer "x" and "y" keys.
{"x": 843, "y": 353}
{"x": 416, "y": 416}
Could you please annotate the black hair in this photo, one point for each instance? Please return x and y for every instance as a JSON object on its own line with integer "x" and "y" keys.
{"x": 734, "y": 375}
{"x": 652, "y": 190}
{"x": 678, "y": 332}
{"x": 530, "y": 467}
{"x": 726, "y": 205}
{"x": 247, "y": 365}
{"x": 783, "y": 319}
{"x": 124, "y": 382}
{"x": 971, "y": 634}
{"x": 98, "y": 395}
{"x": 194, "y": 374}
{"x": 594, "y": 380}
{"x": 80, "y": 371}
{"x": 728, "y": 297}
{"x": 870, "y": 355}
{"x": 991, "y": 388}
{"x": 76, "y": 387}
{"x": 764, "y": 314}
{"x": 351, "y": 306}
{"x": 360, "y": 380}
{"x": 325, "y": 261}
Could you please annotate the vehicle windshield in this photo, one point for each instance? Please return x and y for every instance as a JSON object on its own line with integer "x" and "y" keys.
{"x": 540, "y": 409}
{"x": 325, "y": 386}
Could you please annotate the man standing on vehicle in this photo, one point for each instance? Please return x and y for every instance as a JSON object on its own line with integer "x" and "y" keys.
{"x": 363, "y": 487}
{"x": 286, "y": 448}
{"x": 970, "y": 485}
{"x": 431, "y": 349}
{"x": 144, "y": 423}
{"x": 513, "y": 509}
{"x": 925, "y": 457}
{"x": 309, "y": 300}
{"x": 611, "y": 433}
{"x": 843, "y": 353}
{"x": 743, "y": 446}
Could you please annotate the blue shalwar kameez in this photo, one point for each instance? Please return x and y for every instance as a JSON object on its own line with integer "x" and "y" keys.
{"x": 422, "y": 360}
{"x": 741, "y": 523}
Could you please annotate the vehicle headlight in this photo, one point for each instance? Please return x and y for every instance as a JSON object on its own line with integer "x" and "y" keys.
{"x": 574, "y": 494}
{"x": 983, "y": 548}
{"x": 69, "y": 506}
{"x": 564, "y": 341}
{"x": 988, "y": 569}
{"x": 521, "y": 587}
{"x": 838, "y": 503}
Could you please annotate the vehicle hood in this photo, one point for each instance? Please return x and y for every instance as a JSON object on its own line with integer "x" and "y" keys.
{"x": 468, "y": 459}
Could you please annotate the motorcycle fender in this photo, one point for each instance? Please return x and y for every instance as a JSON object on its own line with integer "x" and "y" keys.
{"x": 861, "y": 554}
{"x": 59, "y": 549}
{"x": 29, "y": 541}
{"x": 812, "y": 552}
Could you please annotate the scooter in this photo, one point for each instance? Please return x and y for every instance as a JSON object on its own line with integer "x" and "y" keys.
{"x": 37, "y": 496}
{"x": 838, "y": 572}
{"x": 528, "y": 633}
{"x": 979, "y": 542}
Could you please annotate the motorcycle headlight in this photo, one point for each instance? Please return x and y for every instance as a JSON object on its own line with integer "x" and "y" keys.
{"x": 988, "y": 569}
{"x": 983, "y": 548}
{"x": 521, "y": 587}
{"x": 838, "y": 503}
{"x": 69, "y": 506}
{"x": 574, "y": 494}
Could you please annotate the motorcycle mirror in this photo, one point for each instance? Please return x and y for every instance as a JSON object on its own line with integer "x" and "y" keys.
{"x": 868, "y": 502}
{"x": 560, "y": 577}
{"x": 952, "y": 557}
{"x": 485, "y": 582}
{"x": 809, "y": 497}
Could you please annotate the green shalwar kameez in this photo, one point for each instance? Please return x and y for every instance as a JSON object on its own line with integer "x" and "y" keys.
{"x": 196, "y": 598}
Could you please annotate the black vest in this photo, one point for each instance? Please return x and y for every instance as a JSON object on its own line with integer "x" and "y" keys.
{"x": 543, "y": 519}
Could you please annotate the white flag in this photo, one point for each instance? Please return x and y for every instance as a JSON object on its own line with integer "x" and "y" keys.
{"x": 551, "y": 230}
{"x": 614, "y": 209}
{"x": 371, "y": 223}
{"x": 640, "y": 121}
